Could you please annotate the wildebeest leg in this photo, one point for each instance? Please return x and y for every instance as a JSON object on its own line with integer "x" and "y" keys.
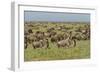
{"x": 25, "y": 45}
{"x": 48, "y": 44}
{"x": 58, "y": 45}
{"x": 74, "y": 42}
{"x": 34, "y": 47}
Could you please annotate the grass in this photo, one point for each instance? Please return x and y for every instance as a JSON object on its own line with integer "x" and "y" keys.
{"x": 81, "y": 51}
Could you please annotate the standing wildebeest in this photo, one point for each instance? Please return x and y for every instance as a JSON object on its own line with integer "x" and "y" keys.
{"x": 37, "y": 44}
{"x": 59, "y": 37}
{"x": 41, "y": 44}
{"x": 45, "y": 43}
{"x": 25, "y": 42}
{"x": 50, "y": 29}
{"x": 26, "y": 33}
{"x": 68, "y": 41}
{"x": 39, "y": 35}
{"x": 54, "y": 39}
{"x": 63, "y": 43}
{"x": 72, "y": 40}
{"x": 30, "y": 38}
{"x": 51, "y": 33}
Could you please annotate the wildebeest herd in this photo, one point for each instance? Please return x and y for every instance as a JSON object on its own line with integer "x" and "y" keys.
{"x": 61, "y": 34}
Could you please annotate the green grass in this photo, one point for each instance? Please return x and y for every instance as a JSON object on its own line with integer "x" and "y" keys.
{"x": 81, "y": 51}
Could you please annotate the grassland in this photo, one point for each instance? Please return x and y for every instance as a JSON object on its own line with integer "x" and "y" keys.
{"x": 81, "y": 51}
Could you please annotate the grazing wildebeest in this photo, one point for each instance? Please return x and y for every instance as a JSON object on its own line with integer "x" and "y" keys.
{"x": 52, "y": 34}
{"x": 54, "y": 39}
{"x": 30, "y": 30}
{"x": 39, "y": 35}
{"x": 41, "y": 44}
{"x": 37, "y": 44}
{"x": 50, "y": 29}
{"x": 59, "y": 37}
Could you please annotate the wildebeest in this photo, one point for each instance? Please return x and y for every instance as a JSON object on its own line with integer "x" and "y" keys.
{"x": 59, "y": 37}
{"x": 25, "y": 41}
{"x": 68, "y": 41}
{"x": 39, "y": 35}
{"x": 54, "y": 39}
{"x": 50, "y": 29}
{"x": 45, "y": 43}
{"x": 37, "y": 44}
{"x": 44, "y": 34}
{"x": 30, "y": 31}
{"x": 41, "y": 44}
{"x": 30, "y": 38}
{"x": 63, "y": 43}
